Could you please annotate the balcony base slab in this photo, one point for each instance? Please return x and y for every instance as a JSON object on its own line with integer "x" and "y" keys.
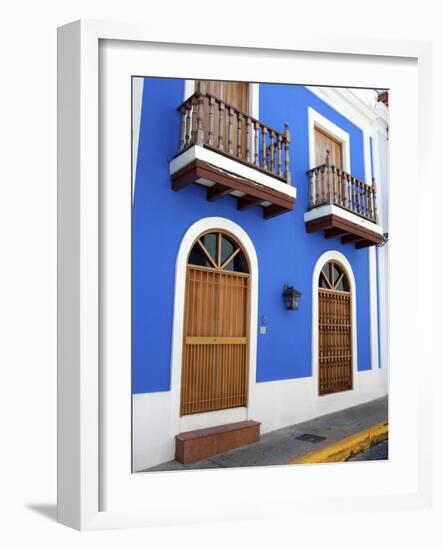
{"x": 220, "y": 183}
{"x": 335, "y": 225}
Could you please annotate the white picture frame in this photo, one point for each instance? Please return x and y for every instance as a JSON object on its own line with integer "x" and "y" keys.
{"x": 82, "y": 395}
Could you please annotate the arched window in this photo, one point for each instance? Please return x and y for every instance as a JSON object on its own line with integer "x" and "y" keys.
{"x": 220, "y": 251}
{"x": 333, "y": 277}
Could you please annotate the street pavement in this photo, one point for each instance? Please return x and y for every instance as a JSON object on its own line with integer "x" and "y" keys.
{"x": 282, "y": 446}
{"x": 377, "y": 452}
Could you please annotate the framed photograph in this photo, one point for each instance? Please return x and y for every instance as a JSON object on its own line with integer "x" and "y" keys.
{"x": 238, "y": 276}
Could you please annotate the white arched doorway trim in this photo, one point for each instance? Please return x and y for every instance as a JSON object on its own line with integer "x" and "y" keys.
{"x": 194, "y": 231}
{"x": 340, "y": 258}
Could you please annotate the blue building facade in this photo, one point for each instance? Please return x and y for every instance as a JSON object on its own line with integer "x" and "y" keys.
{"x": 284, "y": 385}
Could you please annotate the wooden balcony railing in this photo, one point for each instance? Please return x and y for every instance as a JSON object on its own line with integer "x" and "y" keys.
{"x": 331, "y": 185}
{"x": 209, "y": 121}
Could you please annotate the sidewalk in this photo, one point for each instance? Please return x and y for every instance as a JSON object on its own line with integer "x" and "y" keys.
{"x": 282, "y": 447}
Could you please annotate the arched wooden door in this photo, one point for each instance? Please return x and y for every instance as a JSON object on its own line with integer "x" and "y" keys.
{"x": 335, "y": 329}
{"x": 216, "y": 338}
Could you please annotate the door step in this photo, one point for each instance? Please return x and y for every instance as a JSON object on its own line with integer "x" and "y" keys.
{"x": 199, "y": 444}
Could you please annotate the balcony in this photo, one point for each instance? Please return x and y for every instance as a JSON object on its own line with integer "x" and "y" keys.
{"x": 342, "y": 206}
{"x": 232, "y": 154}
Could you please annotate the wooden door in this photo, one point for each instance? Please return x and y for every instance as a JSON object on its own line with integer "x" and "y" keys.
{"x": 325, "y": 142}
{"x": 236, "y": 95}
{"x": 216, "y": 339}
{"x": 335, "y": 330}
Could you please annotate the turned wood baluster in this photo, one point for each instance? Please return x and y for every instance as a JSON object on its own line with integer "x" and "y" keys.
{"x": 369, "y": 201}
{"x": 200, "y": 132}
{"x": 341, "y": 183}
{"x": 346, "y": 193}
{"x": 230, "y": 115}
{"x": 333, "y": 185}
{"x": 248, "y": 139}
{"x": 239, "y": 134}
{"x": 287, "y": 142}
{"x": 327, "y": 178}
{"x": 182, "y": 127}
{"x": 366, "y": 201}
{"x": 323, "y": 184}
{"x": 263, "y": 147}
{"x": 317, "y": 186}
{"x": 311, "y": 189}
{"x": 256, "y": 130}
{"x": 361, "y": 186}
{"x": 363, "y": 199}
{"x": 221, "y": 125}
{"x": 329, "y": 182}
{"x": 354, "y": 195}
{"x": 279, "y": 140}
{"x": 336, "y": 179}
{"x": 344, "y": 190}
{"x": 194, "y": 119}
{"x": 272, "y": 151}
{"x": 188, "y": 123}
{"x": 374, "y": 201}
{"x": 211, "y": 121}
{"x": 359, "y": 197}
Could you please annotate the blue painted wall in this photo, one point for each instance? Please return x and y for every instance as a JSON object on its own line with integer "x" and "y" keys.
{"x": 286, "y": 253}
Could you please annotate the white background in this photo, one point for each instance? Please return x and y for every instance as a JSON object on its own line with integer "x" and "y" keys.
{"x": 28, "y": 268}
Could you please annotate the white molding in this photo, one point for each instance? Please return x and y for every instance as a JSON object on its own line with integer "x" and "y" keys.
{"x": 382, "y": 112}
{"x": 232, "y": 166}
{"x": 189, "y": 89}
{"x": 372, "y": 266}
{"x": 380, "y": 287}
{"x": 254, "y": 99}
{"x": 316, "y": 119}
{"x": 345, "y": 103}
{"x": 373, "y": 306}
{"x": 328, "y": 209}
{"x": 137, "y": 99}
{"x": 189, "y": 238}
{"x": 340, "y": 258}
{"x": 367, "y": 156}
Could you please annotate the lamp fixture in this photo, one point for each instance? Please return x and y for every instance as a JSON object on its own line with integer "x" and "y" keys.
{"x": 291, "y": 297}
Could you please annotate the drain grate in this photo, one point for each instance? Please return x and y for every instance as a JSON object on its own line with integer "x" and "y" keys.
{"x": 311, "y": 438}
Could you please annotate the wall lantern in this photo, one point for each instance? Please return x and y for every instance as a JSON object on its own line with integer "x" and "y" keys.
{"x": 291, "y": 296}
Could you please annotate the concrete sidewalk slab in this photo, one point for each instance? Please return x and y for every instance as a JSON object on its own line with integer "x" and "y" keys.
{"x": 282, "y": 447}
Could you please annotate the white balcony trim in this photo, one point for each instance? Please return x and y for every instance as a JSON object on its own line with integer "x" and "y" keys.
{"x": 232, "y": 166}
{"x": 328, "y": 209}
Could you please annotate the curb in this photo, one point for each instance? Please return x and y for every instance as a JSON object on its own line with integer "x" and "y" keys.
{"x": 345, "y": 448}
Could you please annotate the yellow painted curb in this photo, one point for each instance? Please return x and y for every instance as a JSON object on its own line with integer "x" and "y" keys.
{"x": 343, "y": 449}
